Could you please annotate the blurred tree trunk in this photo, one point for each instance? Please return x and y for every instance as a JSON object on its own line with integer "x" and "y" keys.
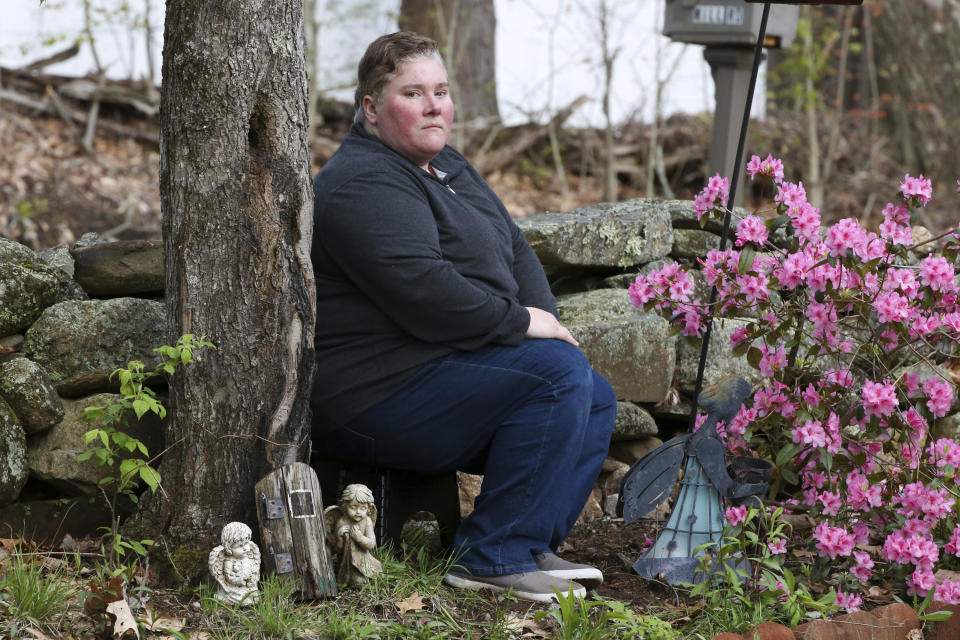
{"x": 465, "y": 30}
{"x": 917, "y": 53}
{"x": 237, "y": 222}
{"x": 890, "y": 69}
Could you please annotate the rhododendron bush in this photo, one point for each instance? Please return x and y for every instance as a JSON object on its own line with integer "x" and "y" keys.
{"x": 853, "y": 332}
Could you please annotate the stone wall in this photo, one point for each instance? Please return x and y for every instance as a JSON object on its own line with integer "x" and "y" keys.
{"x": 69, "y": 316}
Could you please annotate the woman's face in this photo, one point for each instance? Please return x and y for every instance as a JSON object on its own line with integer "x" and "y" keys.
{"x": 416, "y": 113}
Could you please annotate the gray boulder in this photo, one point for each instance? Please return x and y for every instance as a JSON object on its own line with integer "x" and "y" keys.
{"x": 58, "y": 258}
{"x": 620, "y": 234}
{"x": 947, "y": 427}
{"x": 13, "y": 456}
{"x": 631, "y": 349}
{"x": 27, "y": 287}
{"x": 632, "y": 422}
{"x": 720, "y": 359}
{"x": 52, "y": 455}
{"x": 80, "y": 343}
{"x": 693, "y": 243}
{"x": 629, "y": 451}
{"x": 27, "y": 389}
{"x": 123, "y": 268}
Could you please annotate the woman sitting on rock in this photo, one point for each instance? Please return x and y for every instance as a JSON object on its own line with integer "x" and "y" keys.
{"x": 438, "y": 343}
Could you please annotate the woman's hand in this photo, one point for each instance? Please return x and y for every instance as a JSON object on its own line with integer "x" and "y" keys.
{"x": 544, "y": 325}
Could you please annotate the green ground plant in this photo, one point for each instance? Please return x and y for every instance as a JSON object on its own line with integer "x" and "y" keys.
{"x": 750, "y": 581}
{"x": 128, "y": 457}
{"x": 32, "y": 595}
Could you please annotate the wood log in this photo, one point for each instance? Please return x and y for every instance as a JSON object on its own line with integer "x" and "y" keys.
{"x": 290, "y": 513}
{"x": 499, "y": 158}
{"x": 41, "y": 106}
{"x": 59, "y": 56}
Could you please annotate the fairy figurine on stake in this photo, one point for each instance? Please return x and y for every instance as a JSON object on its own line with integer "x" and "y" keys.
{"x": 349, "y": 529}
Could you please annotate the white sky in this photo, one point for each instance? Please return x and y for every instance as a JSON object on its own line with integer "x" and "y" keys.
{"x": 525, "y": 29}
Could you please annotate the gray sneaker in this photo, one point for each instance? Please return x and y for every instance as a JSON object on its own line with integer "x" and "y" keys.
{"x": 534, "y": 585}
{"x": 553, "y": 565}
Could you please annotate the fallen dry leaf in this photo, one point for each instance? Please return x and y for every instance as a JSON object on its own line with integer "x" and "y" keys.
{"x": 413, "y": 603}
{"x": 38, "y": 635}
{"x": 125, "y": 621}
{"x": 152, "y": 622}
{"x": 49, "y": 563}
{"x": 100, "y": 594}
{"x": 542, "y": 629}
{"x": 946, "y": 574}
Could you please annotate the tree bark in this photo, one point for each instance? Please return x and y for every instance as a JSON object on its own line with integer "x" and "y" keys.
{"x": 465, "y": 30}
{"x": 237, "y": 222}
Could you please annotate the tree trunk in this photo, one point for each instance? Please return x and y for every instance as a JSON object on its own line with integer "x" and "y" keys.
{"x": 237, "y": 223}
{"x": 465, "y": 30}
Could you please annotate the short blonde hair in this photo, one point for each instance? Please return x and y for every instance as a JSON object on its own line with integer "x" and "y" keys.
{"x": 382, "y": 61}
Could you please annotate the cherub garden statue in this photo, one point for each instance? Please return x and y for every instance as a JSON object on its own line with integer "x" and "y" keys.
{"x": 349, "y": 529}
{"x": 235, "y": 564}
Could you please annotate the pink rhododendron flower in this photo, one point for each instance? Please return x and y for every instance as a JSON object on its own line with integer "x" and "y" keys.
{"x": 777, "y": 546}
{"x": 938, "y": 274}
{"x": 939, "y": 396}
{"x": 891, "y": 307}
{"x": 714, "y": 195}
{"x": 736, "y": 515}
{"x": 920, "y": 188}
{"x": 944, "y": 452}
{"x": 845, "y": 234}
{"x": 810, "y": 432}
{"x": 953, "y": 545}
{"x": 792, "y": 197}
{"x": 831, "y": 503}
{"x": 640, "y": 291}
{"x": 772, "y": 360}
{"x": 920, "y": 582}
{"x": 833, "y": 541}
{"x": 861, "y": 533}
{"x": 879, "y": 398}
{"x": 772, "y": 167}
{"x": 863, "y": 566}
{"x": 738, "y": 335}
{"x": 861, "y": 495}
{"x": 751, "y": 229}
{"x": 851, "y": 602}
{"x": 948, "y": 591}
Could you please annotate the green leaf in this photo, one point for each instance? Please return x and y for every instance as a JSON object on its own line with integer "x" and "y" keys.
{"x": 746, "y": 259}
{"x": 150, "y": 476}
{"x": 754, "y": 356}
{"x": 936, "y": 616}
{"x": 789, "y": 476}
{"x": 786, "y": 454}
{"x": 140, "y": 407}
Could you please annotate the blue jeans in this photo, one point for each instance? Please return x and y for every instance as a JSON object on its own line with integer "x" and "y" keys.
{"x": 535, "y": 419}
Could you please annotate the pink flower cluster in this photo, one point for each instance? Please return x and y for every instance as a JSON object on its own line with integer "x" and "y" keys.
{"x": 920, "y": 189}
{"x": 833, "y": 541}
{"x": 713, "y": 196}
{"x": 859, "y": 433}
{"x": 771, "y": 166}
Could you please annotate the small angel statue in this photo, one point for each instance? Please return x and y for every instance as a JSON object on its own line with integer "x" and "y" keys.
{"x": 235, "y": 564}
{"x": 349, "y": 529}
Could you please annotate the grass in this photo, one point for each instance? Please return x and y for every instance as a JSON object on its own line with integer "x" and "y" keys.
{"x": 33, "y": 595}
{"x": 408, "y": 601}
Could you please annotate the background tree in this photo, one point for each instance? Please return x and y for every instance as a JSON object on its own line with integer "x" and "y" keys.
{"x": 237, "y": 206}
{"x": 466, "y": 31}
